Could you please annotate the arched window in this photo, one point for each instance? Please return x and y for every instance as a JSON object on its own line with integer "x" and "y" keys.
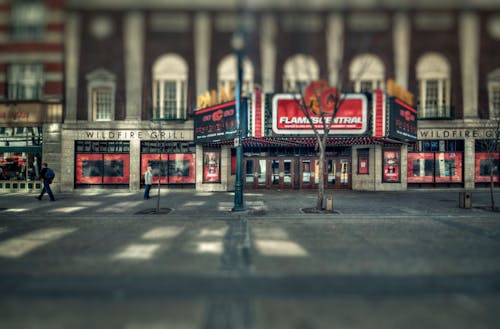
{"x": 170, "y": 75}
{"x": 367, "y": 72}
{"x": 433, "y": 77}
{"x": 101, "y": 87}
{"x": 227, "y": 75}
{"x": 298, "y": 71}
{"x": 494, "y": 93}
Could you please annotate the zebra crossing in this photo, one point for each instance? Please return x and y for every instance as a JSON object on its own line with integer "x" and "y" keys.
{"x": 150, "y": 242}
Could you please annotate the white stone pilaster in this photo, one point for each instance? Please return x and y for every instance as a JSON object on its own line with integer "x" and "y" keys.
{"x": 135, "y": 164}
{"x": 67, "y": 160}
{"x": 72, "y": 50}
{"x": 401, "y": 38}
{"x": 268, "y": 52}
{"x": 469, "y": 163}
{"x": 202, "y": 42}
{"x": 134, "y": 59}
{"x": 469, "y": 60}
{"x": 334, "y": 47}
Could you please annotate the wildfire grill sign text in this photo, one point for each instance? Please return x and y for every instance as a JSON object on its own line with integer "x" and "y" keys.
{"x": 216, "y": 123}
{"x": 288, "y": 118}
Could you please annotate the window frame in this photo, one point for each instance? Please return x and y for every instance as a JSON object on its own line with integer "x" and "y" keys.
{"x": 169, "y": 68}
{"x": 20, "y": 28}
{"x": 98, "y": 80}
{"x": 18, "y": 82}
{"x": 367, "y": 68}
{"x": 493, "y": 87}
{"x": 298, "y": 71}
{"x": 435, "y": 68}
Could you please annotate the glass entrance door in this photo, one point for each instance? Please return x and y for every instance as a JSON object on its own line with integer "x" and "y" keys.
{"x": 282, "y": 173}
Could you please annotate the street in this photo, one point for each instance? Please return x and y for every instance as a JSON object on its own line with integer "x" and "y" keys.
{"x": 242, "y": 271}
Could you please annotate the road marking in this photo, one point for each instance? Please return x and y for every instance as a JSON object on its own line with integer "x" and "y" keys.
{"x": 138, "y": 251}
{"x": 280, "y": 248}
{"x": 19, "y": 246}
{"x": 165, "y": 232}
{"x": 276, "y": 242}
{"x": 67, "y": 209}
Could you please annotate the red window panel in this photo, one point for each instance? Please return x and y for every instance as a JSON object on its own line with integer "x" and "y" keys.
{"x": 116, "y": 168}
{"x": 421, "y": 167}
{"x": 482, "y": 167}
{"x": 89, "y": 169}
{"x": 178, "y": 168}
{"x": 448, "y": 167}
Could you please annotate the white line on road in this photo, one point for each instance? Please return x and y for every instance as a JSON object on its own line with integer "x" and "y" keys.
{"x": 19, "y": 246}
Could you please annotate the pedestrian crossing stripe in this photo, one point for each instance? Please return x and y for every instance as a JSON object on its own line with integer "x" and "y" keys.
{"x": 21, "y": 245}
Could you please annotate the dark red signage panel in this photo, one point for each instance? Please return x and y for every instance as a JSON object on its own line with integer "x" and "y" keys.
{"x": 402, "y": 121}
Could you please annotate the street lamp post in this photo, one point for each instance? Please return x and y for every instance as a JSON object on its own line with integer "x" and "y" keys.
{"x": 238, "y": 44}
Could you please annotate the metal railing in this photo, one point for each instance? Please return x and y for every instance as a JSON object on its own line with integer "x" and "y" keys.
{"x": 168, "y": 116}
{"x": 436, "y": 113}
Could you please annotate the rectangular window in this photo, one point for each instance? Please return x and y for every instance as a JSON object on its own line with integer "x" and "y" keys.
{"x": 170, "y": 99}
{"x": 431, "y": 98}
{"x": 211, "y": 168}
{"x": 102, "y": 99}
{"x": 25, "y": 82}
{"x": 496, "y": 102}
{"x": 363, "y": 161}
{"x": 27, "y": 20}
{"x": 391, "y": 163}
{"x": 366, "y": 86}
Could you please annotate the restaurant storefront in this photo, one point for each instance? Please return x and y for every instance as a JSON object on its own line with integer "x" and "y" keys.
{"x": 29, "y": 136}
{"x": 119, "y": 157}
{"x": 366, "y": 148}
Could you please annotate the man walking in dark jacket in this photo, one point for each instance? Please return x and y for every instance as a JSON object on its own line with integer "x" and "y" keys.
{"x": 46, "y": 175}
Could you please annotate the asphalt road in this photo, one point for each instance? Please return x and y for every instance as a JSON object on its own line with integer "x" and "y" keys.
{"x": 156, "y": 272}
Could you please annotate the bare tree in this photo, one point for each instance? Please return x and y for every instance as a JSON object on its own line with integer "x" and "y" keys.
{"x": 492, "y": 147}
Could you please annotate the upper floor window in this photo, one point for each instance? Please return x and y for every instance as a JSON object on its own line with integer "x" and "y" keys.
{"x": 367, "y": 72}
{"x": 27, "y": 19}
{"x": 298, "y": 71}
{"x": 433, "y": 77}
{"x": 25, "y": 82}
{"x": 170, "y": 75}
{"x": 101, "y": 86}
{"x": 494, "y": 94}
{"x": 227, "y": 76}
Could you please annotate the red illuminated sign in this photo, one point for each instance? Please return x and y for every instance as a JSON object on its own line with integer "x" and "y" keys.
{"x": 288, "y": 118}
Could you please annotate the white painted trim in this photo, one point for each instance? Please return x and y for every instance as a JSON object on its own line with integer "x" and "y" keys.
{"x": 32, "y": 56}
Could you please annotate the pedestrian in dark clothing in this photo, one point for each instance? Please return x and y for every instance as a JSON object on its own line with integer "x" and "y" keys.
{"x": 47, "y": 176}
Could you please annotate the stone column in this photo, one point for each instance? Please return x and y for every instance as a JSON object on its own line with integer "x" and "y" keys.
{"x": 67, "y": 173}
{"x": 334, "y": 47}
{"x": 134, "y": 61}
{"x": 72, "y": 50}
{"x": 469, "y": 59}
{"x": 469, "y": 163}
{"x": 268, "y": 52}
{"x": 401, "y": 38}
{"x": 202, "y": 41}
{"x": 51, "y": 150}
{"x": 135, "y": 164}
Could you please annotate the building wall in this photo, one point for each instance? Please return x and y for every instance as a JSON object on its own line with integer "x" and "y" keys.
{"x": 202, "y": 37}
{"x": 46, "y": 49}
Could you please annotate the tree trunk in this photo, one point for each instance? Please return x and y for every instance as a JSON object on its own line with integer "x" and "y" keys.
{"x": 492, "y": 183}
{"x": 321, "y": 178}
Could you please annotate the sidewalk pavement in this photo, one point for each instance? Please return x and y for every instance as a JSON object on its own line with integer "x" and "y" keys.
{"x": 259, "y": 204}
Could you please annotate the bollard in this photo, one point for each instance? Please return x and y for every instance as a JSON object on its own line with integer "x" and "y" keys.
{"x": 329, "y": 202}
{"x": 465, "y": 200}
